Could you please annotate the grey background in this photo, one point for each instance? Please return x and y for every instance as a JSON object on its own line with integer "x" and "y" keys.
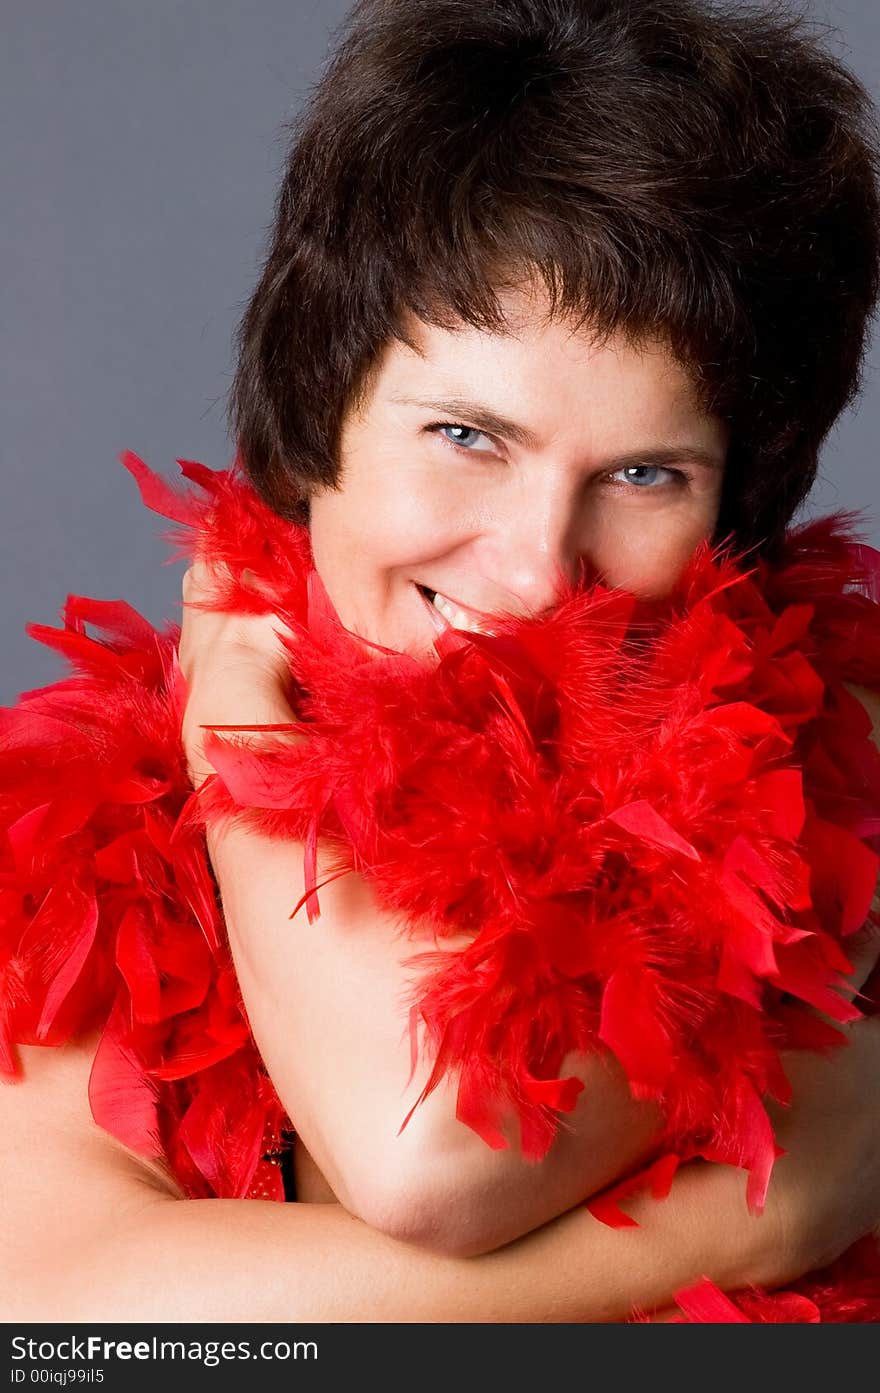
{"x": 142, "y": 142}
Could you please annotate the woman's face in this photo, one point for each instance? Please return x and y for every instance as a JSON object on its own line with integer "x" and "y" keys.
{"x": 482, "y": 467}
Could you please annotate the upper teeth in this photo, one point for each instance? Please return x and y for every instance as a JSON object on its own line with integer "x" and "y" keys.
{"x": 458, "y": 618}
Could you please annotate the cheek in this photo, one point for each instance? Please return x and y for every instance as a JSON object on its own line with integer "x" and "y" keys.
{"x": 375, "y": 550}
{"x": 392, "y": 510}
{"x": 646, "y": 555}
{"x": 370, "y": 540}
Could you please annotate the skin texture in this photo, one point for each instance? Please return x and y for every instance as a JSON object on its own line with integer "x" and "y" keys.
{"x": 493, "y": 522}
{"x": 96, "y": 1256}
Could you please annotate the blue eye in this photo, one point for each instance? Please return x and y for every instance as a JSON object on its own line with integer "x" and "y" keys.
{"x": 646, "y": 476}
{"x": 464, "y": 437}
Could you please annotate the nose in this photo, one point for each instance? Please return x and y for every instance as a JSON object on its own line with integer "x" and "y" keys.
{"x": 530, "y": 551}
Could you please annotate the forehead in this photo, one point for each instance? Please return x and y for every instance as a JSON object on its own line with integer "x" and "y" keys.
{"x": 554, "y": 375}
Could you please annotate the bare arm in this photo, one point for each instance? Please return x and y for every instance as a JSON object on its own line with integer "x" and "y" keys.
{"x": 325, "y": 1002}
{"x": 86, "y": 1227}
{"x": 325, "y": 1005}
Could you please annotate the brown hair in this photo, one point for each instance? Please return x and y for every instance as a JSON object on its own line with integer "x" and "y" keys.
{"x": 670, "y": 169}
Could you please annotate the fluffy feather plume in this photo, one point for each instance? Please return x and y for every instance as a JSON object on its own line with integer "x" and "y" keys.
{"x": 110, "y": 919}
{"x": 658, "y": 822}
{"x": 629, "y": 805}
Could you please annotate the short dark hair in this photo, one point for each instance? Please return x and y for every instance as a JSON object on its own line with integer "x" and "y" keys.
{"x": 672, "y": 169}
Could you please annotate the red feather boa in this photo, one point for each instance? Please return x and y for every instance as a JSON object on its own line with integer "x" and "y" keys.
{"x": 659, "y": 821}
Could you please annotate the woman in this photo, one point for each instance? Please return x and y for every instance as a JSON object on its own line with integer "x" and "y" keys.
{"x": 516, "y": 346}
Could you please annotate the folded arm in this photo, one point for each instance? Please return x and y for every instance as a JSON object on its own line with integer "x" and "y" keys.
{"x": 326, "y": 1003}
{"x": 117, "y": 1223}
{"x": 120, "y": 1246}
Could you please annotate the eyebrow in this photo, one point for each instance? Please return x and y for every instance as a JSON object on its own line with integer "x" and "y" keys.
{"x": 494, "y": 424}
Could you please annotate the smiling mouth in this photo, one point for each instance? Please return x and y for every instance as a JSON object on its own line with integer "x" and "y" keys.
{"x": 449, "y": 614}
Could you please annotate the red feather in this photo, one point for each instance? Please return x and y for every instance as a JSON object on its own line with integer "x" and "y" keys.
{"x": 657, "y": 821}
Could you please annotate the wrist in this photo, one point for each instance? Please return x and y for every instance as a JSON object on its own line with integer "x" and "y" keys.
{"x": 240, "y": 690}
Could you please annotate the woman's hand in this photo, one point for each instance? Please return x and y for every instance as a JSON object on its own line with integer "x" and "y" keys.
{"x": 824, "y": 1193}
{"x": 234, "y": 666}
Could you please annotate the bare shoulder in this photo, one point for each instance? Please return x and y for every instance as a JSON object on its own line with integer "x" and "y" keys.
{"x": 64, "y": 1180}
